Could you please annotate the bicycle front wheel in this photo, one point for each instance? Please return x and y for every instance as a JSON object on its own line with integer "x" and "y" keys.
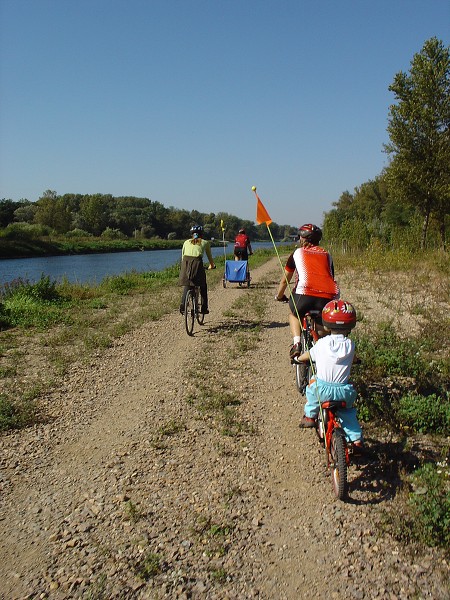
{"x": 338, "y": 464}
{"x": 189, "y": 312}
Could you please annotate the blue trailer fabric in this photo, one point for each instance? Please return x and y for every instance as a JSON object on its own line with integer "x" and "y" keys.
{"x": 235, "y": 270}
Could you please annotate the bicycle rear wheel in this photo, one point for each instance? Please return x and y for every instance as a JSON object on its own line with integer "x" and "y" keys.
{"x": 301, "y": 377}
{"x": 338, "y": 464}
{"x": 199, "y": 304}
{"x": 189, "y": 312}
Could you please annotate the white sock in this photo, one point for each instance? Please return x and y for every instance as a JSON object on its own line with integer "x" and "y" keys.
{"x": 296, "y": 339}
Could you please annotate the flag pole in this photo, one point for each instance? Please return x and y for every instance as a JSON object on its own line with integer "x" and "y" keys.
{"x": 262, "y": 216}
{"x": 222, "y": 226}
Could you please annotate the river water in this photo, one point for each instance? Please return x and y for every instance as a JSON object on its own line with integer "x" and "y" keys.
{"x": 92, "y": 268}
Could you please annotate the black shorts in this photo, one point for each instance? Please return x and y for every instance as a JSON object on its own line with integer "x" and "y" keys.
{"x": 306, "y": 303}
{"x": 242, "y": 253}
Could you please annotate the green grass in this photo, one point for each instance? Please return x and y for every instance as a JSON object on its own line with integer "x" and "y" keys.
{"x": 399, "y": 384}
{"x": 55, "y": 324}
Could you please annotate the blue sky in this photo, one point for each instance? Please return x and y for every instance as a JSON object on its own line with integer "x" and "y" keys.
{"x": 191, "y": 102}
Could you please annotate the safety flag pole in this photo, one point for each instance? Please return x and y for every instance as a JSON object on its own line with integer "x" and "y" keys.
{"x": 222, "y": 227}
{"x": 262, "y": 216}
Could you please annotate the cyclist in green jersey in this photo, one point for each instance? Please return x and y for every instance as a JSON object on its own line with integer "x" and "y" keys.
{"x": 192, "y": 269}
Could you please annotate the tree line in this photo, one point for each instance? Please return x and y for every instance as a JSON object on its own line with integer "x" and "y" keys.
{"x": 83, "y": 215}
{"x": 408, "y": 204}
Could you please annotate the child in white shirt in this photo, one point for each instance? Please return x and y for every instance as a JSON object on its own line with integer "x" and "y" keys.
{"x": 333, "y": 355}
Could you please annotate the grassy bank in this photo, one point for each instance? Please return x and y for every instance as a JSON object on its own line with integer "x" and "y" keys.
{"x": 46, "y": 326}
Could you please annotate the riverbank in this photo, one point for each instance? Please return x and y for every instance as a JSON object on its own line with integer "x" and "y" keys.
{"x": 61, "y": 247}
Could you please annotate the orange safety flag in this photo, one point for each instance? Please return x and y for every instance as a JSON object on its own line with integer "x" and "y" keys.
{"x": 262, "y": 216}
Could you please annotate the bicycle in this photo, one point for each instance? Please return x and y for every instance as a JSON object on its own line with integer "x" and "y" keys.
{"x": 308, "y": 337}
{"x": 332, "y": 436}
{"x": 193, "y": 309}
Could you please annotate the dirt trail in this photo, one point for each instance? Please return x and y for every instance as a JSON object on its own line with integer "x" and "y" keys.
{"x": 129, "y": 491}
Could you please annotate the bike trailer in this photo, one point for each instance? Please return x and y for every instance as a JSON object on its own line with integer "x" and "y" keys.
{"x": 236, "y": 271}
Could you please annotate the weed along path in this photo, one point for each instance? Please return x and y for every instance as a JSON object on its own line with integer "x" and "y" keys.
{"x": 173, "y": 467}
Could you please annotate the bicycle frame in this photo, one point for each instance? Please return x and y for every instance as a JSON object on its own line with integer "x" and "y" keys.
{"x": 332, "y": 436}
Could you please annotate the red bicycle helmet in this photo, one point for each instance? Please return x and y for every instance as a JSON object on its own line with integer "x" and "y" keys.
{"x": 311, "y": 233}
{"x": 339, "y": 314}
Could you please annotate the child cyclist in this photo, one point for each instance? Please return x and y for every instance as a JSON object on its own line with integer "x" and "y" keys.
{"x": 334, "y": 355}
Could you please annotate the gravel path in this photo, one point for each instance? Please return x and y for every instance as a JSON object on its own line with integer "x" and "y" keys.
{"x": 130, "y": 490}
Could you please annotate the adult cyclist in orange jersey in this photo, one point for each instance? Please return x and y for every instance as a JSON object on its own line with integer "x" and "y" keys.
{"x": 315, "y": 284}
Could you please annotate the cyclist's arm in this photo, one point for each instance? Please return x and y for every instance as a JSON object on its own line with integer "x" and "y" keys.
{"x": 209, "y": 255}
{"x": 303, "y": 357}
{"x": 283, "y": 283}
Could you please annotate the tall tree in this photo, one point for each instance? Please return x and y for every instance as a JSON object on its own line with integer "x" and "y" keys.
{"x": 419, "y": 131}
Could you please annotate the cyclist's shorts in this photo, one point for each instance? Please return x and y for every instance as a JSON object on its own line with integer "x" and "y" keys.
{"x": 306, "y": 303}
{"x": 242, "y": 253}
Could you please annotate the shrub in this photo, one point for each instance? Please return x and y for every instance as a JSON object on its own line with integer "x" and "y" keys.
{"x": 425, "y": 414}
{"x": 78, "y": 233}
{"x": 113, "y": 234}
{"x": 14, "y": 416}
{"x": 30, "y": 304}
{"x": 430, "y": 505}
{"x": 25, "y": 231}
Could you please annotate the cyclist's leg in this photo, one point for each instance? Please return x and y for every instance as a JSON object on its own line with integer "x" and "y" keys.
{"x": 348, "y": 416}
{"x": 183, "y": 298}
{"x": 204, "y": 295}
{"x": 316, "y": 303}
{"x": 296, "y": 308}
{"x": 313, "y": 394}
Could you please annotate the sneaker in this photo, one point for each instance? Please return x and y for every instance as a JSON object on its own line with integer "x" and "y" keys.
{"x": 295, "y": 350}
{"x": 205, "y": 311}
{"x": 357, "y": 447}
{"x": 181, "y": 310}
{"x": 307, "y": 422}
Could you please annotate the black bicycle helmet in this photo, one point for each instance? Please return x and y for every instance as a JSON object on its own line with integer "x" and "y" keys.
{"x": 311, "y": 233}
{"x": 198, "y": 229}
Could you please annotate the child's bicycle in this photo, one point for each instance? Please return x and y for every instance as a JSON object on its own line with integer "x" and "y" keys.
{"x": 332, "y": 437}
{"x": 309, "y": 336}
{"x": 328, "y": 427}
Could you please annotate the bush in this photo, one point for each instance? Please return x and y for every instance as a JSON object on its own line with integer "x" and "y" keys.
{"x": 425, "y": 414}
{"x": 30, "y": 304}
{"x": 14, "y": 416}
{"x": 113, "y": 234}
{"x": 25, "y": 231}
{"x": 430, "y": 505}
{"x": 78, "y": 233}
{"x": 398, "y": 383}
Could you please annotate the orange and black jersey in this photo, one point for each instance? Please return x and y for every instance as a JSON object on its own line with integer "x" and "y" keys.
{"x": 315, "y": 272}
